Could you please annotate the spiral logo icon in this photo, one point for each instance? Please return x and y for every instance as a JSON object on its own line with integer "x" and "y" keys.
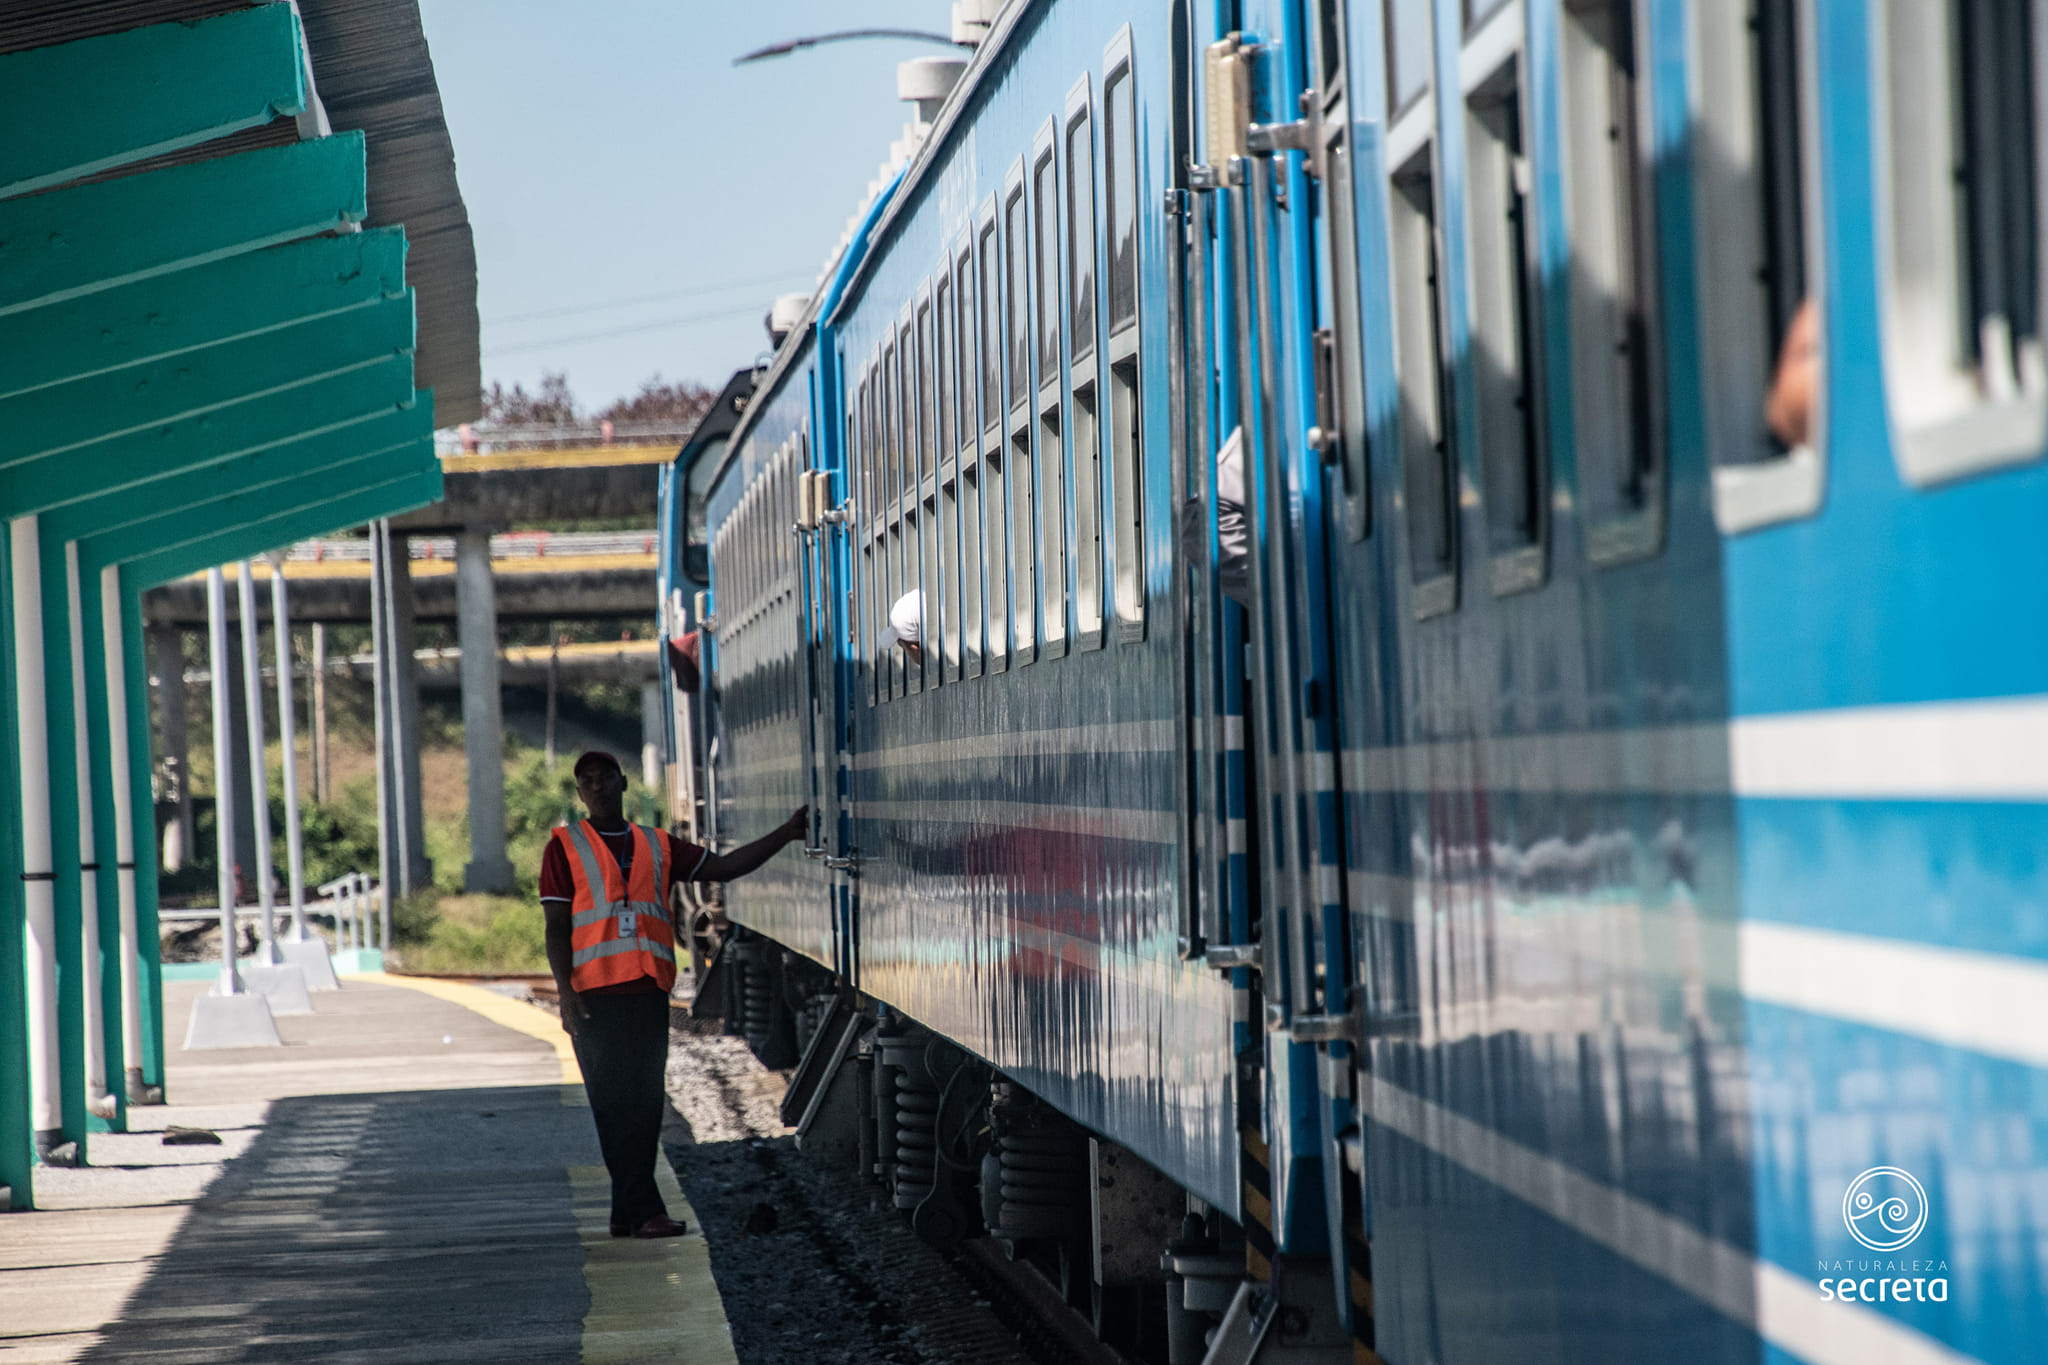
{"x": 1885, "y": 1208}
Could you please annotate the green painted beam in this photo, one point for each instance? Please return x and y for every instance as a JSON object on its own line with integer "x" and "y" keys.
{"x": 194, "y": 442}
{"x": 75, "y": 241}
{"x": 324, "y": 460}
{"x": 242, "y": 507}
{"x": 365, "y": 505}
{"x": 76, "y": 108}
{"x": 17, "y": 1136}
{"x": 253, "y": 294}
{"x": 147, "y": 871}
{"x": 62, "y": 418}
{"x": 236, "y": 507}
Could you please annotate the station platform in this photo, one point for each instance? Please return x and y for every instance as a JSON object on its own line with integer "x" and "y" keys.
{"x": 413, "y": 1177}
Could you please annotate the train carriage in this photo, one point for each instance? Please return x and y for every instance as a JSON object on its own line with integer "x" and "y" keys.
{"x": 1593, "y": 847}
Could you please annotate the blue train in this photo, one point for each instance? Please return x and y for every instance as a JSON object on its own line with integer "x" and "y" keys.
{"x": 1440, "y": 812}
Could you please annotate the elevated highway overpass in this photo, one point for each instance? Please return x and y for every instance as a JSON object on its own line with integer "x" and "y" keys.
{"x": 535, "y": 576}
{"x": 460, "y": 560}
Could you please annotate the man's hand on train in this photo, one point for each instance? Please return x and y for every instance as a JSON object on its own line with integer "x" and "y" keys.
{"x": 797, "y": 827}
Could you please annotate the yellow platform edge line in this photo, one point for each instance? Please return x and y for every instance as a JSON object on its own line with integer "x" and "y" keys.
{"x": 650, "y": 1301}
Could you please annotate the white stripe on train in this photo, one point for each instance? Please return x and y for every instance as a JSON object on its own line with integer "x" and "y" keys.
{"x": 1994, "y": 750}
{"x": 1783, "y": 1308}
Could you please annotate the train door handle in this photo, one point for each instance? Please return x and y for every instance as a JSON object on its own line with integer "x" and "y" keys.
{"x": 1321, "y": 1028}
{"x": 1224, "y": 957}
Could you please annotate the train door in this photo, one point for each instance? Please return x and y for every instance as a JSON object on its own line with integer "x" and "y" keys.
{"x": 1279, "y": 154}
{"x": 823, "y": 696}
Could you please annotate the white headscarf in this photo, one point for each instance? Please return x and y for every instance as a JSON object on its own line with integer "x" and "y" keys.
{"x": 906, "y": 621}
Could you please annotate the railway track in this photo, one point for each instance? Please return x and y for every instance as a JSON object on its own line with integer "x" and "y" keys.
{"x": 815, "y": 1265}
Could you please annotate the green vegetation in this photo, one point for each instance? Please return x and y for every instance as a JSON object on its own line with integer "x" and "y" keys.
{"x": 438, "y": 928}
{"x": 443, "y": 929}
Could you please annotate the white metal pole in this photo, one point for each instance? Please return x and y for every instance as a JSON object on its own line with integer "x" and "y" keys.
{"x": 38, "y": 872}
{"x": 259, "y": 778}
{"x": 223, "y": 776}
{"x": 98, "y": 1098}
{"x": 124, "y": 824}
{"x": 281, "y": 625}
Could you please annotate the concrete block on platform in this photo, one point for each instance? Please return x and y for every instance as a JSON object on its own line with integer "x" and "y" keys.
{"x": 358, "y": 962}
{"x": 232, "y": 1021}
{"x": 283, "y": 987}
{"x": 310, "y": 956}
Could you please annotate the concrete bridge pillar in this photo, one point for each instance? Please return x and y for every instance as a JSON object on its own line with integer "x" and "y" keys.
{"x": 650, "y": 737}
{"x": 418, "y": 871}
{"x": 167, "y": 645}
{"x": 483, "y": 727}
{"x": 240, "y": 840}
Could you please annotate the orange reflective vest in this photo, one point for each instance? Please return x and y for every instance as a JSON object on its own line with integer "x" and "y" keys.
{"x": 621, "y": 930}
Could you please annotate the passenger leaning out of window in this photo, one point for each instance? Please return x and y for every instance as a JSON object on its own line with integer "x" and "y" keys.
{"x": 1788, "y": 408}
{"x": 1232, "y": 574}
{"x": 906, "y": 626}
{"x": 606, "y": 893}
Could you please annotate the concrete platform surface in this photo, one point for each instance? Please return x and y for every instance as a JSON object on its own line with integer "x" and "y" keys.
{"x": 413, "y": 1176}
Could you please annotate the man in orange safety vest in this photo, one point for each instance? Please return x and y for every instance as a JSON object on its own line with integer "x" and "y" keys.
{"x": 606, "y": 894}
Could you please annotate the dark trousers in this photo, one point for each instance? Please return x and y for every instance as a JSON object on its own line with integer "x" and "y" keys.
{"x": 623, "y": 1049}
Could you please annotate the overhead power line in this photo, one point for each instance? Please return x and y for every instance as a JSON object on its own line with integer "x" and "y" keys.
{"x": 783, "y": 49}
{"x": 745, "y": 310}
{"x": 780, "y": 277}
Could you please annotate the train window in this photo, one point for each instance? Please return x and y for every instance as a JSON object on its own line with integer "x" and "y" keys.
{"x": 1126, "y": 454}
{"x": 1084, "y": 378}
{"x": 995, "y": 513}
{"x": 1023, "y": 488}
{"x": 944, "y": 354}
{"x": 928, "y": 451}
{"x": 910, "y": 379}
{"x": 1052, "y": 456}
{"x": 942, "y": 357}
{"x": 1428, "y": 467}
{"x": 849, "y": 463}
{"x": 968, "y": 450}
{"x": 1616, "y": 426}
{"x": 1503, "y": 314}
{"x": 1409, "y": 48}
{"x": 1959, "y": 184}
{"x": 888, "y": 420}
{"x": 1044, "y": 246}
{"x": 1749, "y": 200}
{"x": 1421, "y": 361}
{"x": 1340, "y": 347}
{"x": 861, "y": 467}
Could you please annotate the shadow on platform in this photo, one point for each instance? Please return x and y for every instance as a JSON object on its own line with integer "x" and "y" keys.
{"x": 400, "y": 1226}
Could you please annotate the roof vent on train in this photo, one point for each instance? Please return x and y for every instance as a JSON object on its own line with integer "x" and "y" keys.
{"x": 928, "y": 80}
{"x": 972, "y": 19}
{"x": 784, "y": 314}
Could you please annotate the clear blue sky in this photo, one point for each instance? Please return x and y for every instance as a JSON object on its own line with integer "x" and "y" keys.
{"x": 609, "y": 150}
